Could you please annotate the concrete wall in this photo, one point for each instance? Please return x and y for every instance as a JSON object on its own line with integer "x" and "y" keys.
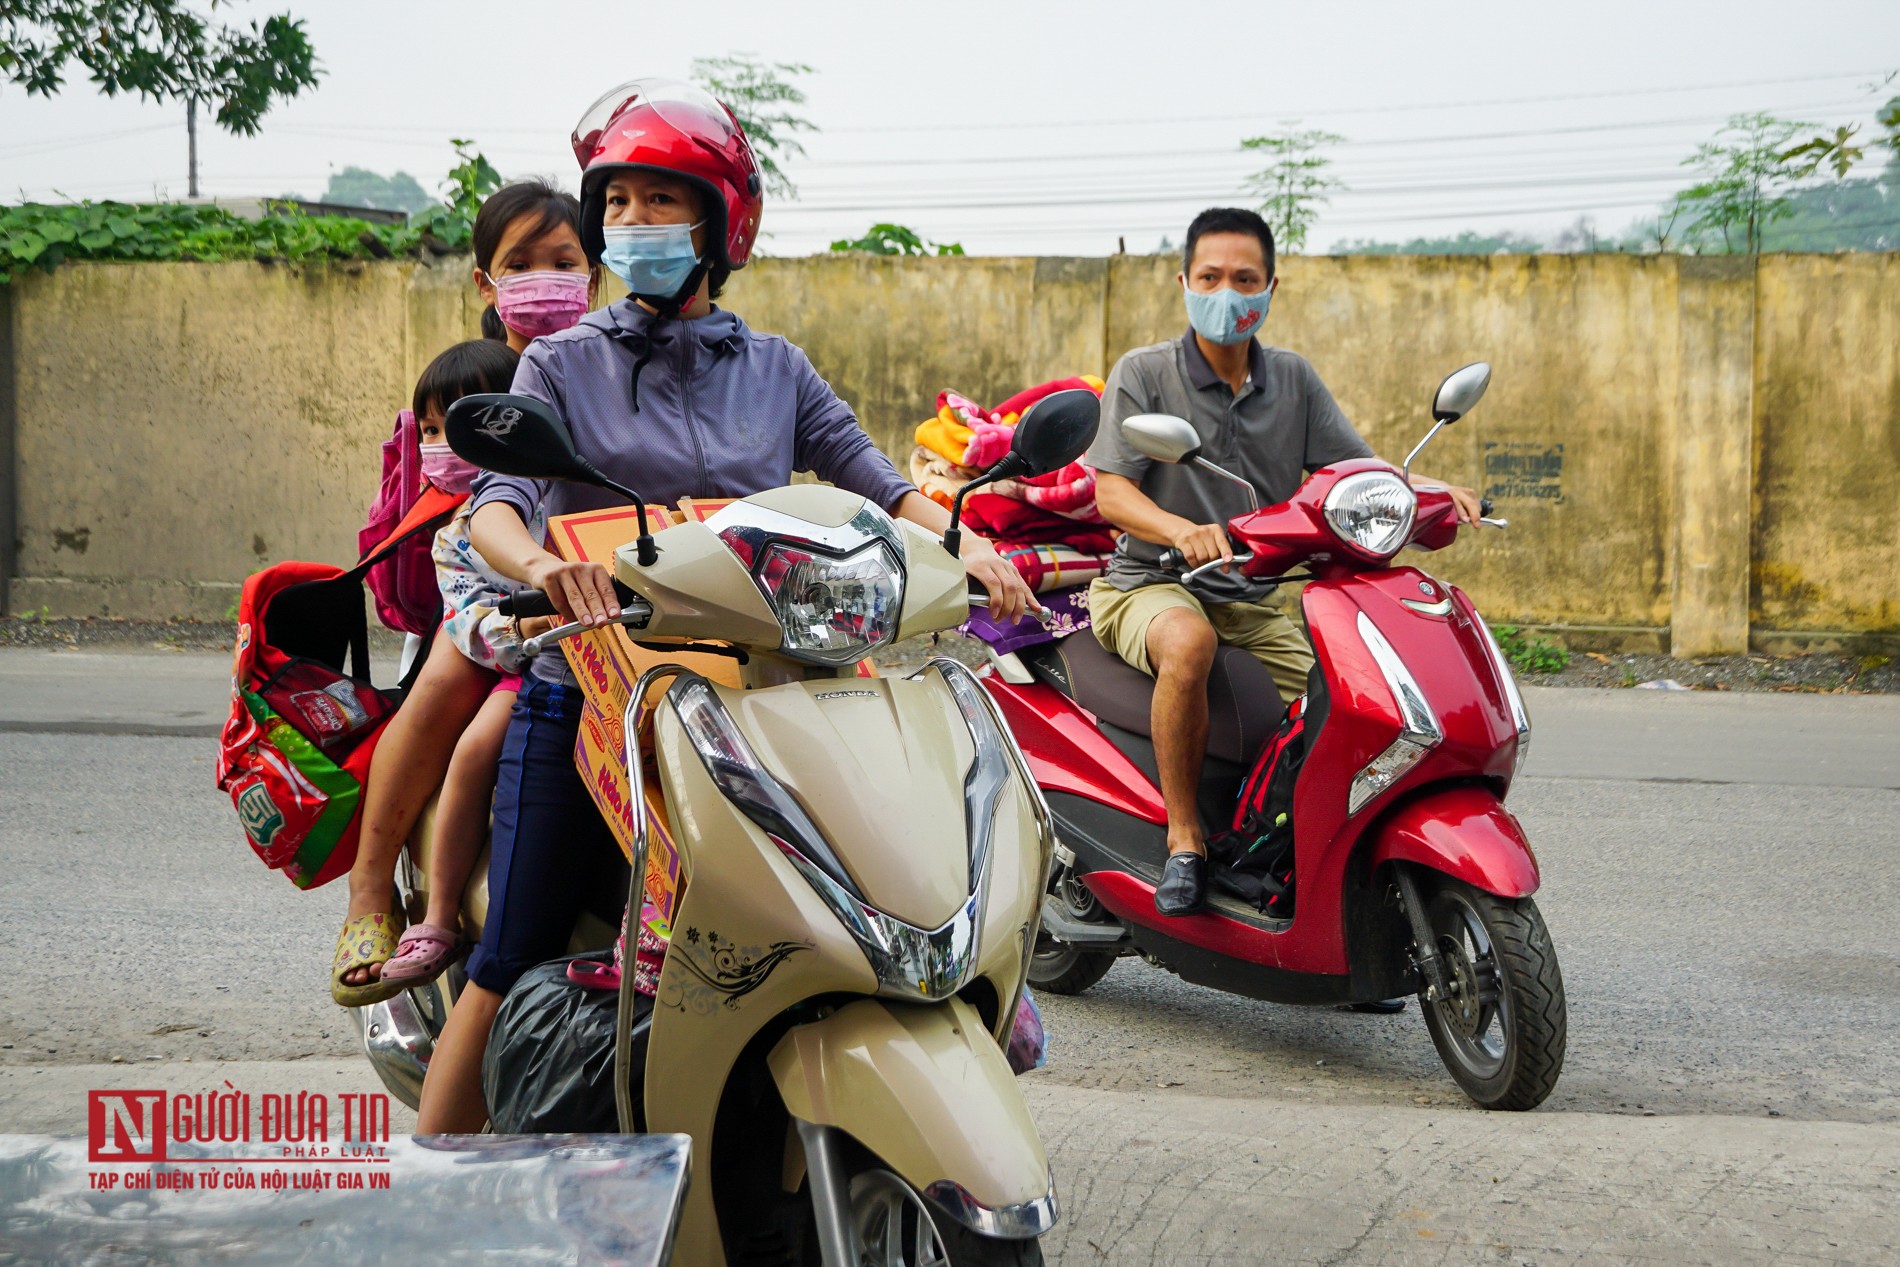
{"x": 1697, "y": 453}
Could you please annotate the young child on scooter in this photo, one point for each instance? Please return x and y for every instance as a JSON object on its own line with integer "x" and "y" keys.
{"x": 531, "y": 267}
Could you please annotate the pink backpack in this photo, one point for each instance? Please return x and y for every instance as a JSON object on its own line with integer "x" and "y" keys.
{"x": 404, "y": 583}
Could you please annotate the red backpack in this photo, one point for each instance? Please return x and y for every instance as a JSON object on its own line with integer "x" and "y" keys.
{"x": 403, "y": 583}
{"x": 296, "y": 750}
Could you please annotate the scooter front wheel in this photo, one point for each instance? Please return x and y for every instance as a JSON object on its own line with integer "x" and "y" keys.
{"x": 897, "y": 1228}
{"x": 1500, "y": 1029}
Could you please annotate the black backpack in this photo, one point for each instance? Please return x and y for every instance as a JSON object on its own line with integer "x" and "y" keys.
{"x": 1253, "y": 860}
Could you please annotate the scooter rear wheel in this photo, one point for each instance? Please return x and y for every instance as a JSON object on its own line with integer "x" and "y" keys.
{"x": 1064, "y": 969}
{"x": 1501, "y": 1029}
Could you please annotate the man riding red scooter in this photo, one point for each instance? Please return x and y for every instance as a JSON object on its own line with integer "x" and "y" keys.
{"x": 1365, "y": 851}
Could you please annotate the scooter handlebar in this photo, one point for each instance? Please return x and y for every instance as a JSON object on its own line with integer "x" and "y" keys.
{"x": 537, "y": 603}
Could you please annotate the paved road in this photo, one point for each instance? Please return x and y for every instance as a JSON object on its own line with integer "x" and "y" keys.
{"x": 1720, "y": 880}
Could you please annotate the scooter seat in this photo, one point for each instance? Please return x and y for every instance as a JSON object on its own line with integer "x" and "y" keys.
{"x": 1243, "y": 705}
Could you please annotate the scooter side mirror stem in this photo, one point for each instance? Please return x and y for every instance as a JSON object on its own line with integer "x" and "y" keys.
{"x": 1253, "y": 498}
{"x": 1420, "y": 447}
{"x": 1011, "y": 465}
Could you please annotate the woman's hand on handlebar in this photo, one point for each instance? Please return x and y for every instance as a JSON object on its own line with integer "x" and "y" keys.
{"x": 1202, "y": 543}
{"x": 582, "y": 591}
{"x": 1010, "y": 595}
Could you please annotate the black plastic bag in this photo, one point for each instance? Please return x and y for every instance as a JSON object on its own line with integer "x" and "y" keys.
{"x": 550, "y": 1061}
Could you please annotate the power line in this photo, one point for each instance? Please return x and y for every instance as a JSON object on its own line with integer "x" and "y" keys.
{"x": 1328, "y": 112}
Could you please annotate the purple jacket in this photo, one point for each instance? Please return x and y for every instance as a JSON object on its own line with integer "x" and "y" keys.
{"x": 704, "y": 408}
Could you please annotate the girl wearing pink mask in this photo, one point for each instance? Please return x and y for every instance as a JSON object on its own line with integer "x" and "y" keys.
{"x": 529, "y": 264}
{"x": 451, "y": 722}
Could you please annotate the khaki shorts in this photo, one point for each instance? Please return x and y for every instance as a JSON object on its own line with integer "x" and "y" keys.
{"x": 1121, "y": 619}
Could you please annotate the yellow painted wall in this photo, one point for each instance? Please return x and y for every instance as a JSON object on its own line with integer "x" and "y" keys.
{"x": 177, "y": 425}
{"x": 1826, "y": 543}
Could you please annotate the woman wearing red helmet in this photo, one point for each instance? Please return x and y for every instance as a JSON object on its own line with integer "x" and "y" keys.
{"x": 667, "y": 393}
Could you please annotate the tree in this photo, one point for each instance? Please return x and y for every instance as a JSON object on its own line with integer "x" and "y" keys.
{"x": 765, "y": 100}
{"x": 163, "y": 51}
{"x": 1749, "y": 172}
{"x": 895, "y": 239}
{"x": 360, "y": 187}
{"x": 1293, "y": 186}
{"x": 1466, "y": 243}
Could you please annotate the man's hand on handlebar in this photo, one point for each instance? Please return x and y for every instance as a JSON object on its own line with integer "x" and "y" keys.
{"x": 581, "y": 591}
{"x": 1202, "y": 543}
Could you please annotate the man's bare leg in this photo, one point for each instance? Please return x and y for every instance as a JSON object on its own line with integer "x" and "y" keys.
{"x": 1181, "y": 647}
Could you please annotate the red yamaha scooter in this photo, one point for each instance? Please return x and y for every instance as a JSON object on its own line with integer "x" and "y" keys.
{"x": 1408, "y": 875}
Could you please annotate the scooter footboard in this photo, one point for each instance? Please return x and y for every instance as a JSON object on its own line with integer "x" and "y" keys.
{"x": 927, "y": 1089}
{"x": 1465, "y": 832}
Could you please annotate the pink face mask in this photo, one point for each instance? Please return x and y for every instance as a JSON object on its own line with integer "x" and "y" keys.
{"x": 442, "y": 468}
{"x": 538, "y": 303}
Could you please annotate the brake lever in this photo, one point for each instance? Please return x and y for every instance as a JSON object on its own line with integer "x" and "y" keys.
{"x": 1196, "y": 573}
{"x": 631, "y": 617}
{"x": 1496, "y": 523}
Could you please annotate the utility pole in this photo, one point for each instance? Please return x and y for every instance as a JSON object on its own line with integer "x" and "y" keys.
{"x": 191, "y": 136}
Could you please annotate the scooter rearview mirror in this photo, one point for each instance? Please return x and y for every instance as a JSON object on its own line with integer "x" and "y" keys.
{"x": 1055, "y": 431}
{"x": 1163, "y": 437}
{"x": 516, "y": 435}
{"x": 525, "y": 437}
{"x": 1460, "y": 392}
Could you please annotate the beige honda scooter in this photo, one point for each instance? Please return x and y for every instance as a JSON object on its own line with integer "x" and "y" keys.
{"x": 862, "y": 862}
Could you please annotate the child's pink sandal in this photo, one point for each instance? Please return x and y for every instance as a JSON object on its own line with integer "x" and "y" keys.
{"x": 422, "y": 954}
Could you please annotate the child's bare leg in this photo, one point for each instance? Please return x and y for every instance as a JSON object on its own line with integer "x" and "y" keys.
{"x": 410, "y": 759}
{"x": 452, "y": 1101}
{"x": 461, "y": 815}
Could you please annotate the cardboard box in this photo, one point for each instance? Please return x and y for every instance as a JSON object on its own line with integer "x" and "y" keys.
{"x": 608, "y": 665}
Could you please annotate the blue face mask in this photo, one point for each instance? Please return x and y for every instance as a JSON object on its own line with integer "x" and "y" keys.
{"x": 1226, "y": 315}
{"x": 654, "y": 260}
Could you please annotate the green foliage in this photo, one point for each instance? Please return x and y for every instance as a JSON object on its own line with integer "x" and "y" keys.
{"x": 1835, "y": 151}
{"x": 1466, "y": 243}
{"x": 765, "y": 100}
{"x": 895, "y": 239}
{"x": 46, "y": 235}
{"x": 1749, "y": 171}
{"x": 161, "y": 50}
{"x": 1528, "y": 653}
{"x": 1293, "y": 186}
{"x": 360, "y": 187}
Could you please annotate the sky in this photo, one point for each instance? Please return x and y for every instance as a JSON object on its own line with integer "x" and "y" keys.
{"x": 1034, "y": 127}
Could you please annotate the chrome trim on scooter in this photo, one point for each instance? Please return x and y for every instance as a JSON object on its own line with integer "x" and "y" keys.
{"x": 830, "y": 1194}
{"x": 1019, "y": 1222}
{"x": 747, "y": 528}
{"x": 398, "y": 1044}
{"x": 911, "y": 963}
{"x": 1419, "y": 733}
{"x": 636, "y": 888}
{"x": 1038, "y": 808}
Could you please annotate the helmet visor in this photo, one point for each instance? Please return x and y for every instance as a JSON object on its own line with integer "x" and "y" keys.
{"x": 690, "y": 110}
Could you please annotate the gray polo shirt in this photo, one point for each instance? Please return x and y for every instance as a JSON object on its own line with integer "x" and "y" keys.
{"x": 1281, "y": 425}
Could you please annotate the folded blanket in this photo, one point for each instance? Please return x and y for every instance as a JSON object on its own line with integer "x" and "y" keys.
{"x": 1052, "y": 567}
{"x": 1002, "y": 518}
{"x": 936, "y": 476}
{"x": 1069, "y": 492}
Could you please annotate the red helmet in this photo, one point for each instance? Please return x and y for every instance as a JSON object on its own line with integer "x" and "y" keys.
{"x": 667, "y": 126}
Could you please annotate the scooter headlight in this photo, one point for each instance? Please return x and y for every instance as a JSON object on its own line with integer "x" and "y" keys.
{"x": 833, "y": 610}
{"x": 1372, "y": 511}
